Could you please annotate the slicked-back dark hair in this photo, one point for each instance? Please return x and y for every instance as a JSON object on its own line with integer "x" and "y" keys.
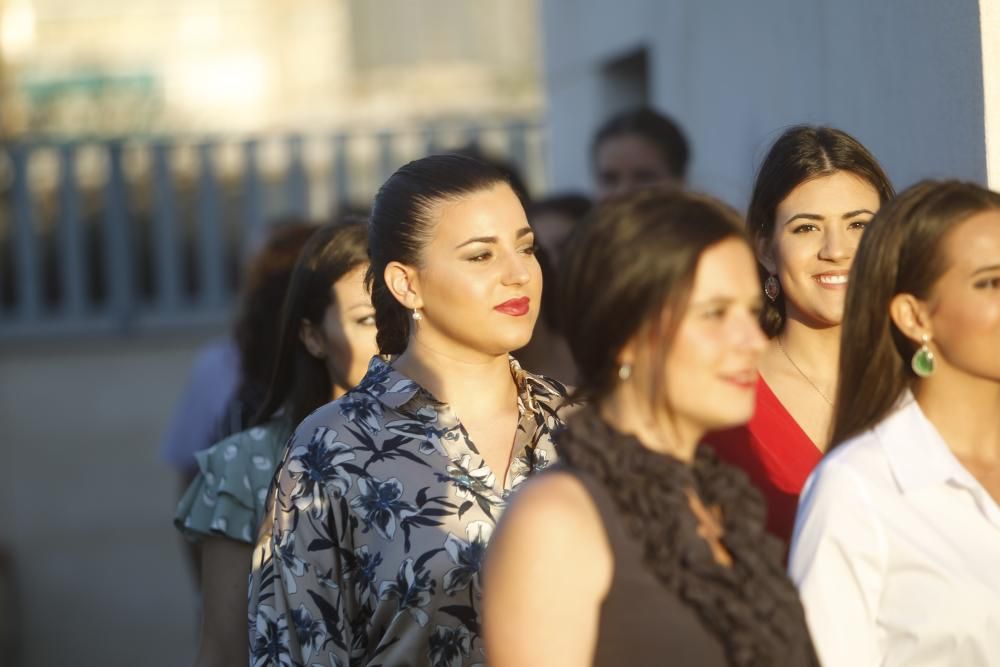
{"x": 800, "y": 154}
{"x": 402, "y": 223}
{"x": 300, "y": 382}
{"x": 630, "y": 262}
{"x": 657, "y": 128}
{"x": 901, "y": 252}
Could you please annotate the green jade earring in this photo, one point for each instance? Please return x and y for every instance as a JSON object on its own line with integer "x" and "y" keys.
{"x": 922, "y": 362}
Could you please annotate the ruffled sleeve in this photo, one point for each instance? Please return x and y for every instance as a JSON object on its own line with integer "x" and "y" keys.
{"x": 228, "y": 494}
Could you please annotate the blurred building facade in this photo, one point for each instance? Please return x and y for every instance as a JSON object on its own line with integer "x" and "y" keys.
{"x": 917, "y": 82}
{"x": 146, "y": 145}
{"x": 121, "y": 67}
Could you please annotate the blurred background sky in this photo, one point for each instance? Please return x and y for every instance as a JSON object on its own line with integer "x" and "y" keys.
{"x": 146, "y": 145}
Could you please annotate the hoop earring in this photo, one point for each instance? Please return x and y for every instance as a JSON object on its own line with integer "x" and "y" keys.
{"x": 772, "y": 288}
{"x": 416, "y": 315}
{"x": 922, "y": 362}
{"x": 624, "y": 372}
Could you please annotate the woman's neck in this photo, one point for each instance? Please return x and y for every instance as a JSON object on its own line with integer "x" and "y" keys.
{"x": 965, "y": 411}
{"x": 816, "y": 351}
{"x": 623, "y": 410}
{"x": 469, "y": 383}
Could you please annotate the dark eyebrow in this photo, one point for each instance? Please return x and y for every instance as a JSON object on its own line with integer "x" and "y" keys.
{"x": 858, "y": 212}
{"x": 478, "y": 239}
{"x": 524, "y": 231}
{"x": 985, "y": 269}
{"x": 804, "y": 216}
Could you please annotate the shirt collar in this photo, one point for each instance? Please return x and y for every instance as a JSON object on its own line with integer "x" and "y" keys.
{"x": 395, "y": 390}
{"x": 918, "y": 456}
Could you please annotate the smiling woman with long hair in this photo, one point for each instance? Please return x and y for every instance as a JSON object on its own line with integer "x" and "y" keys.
{"x": 387, "y": 497}
{"x": 815, "y": 192}
{"x": 897, "y": 539}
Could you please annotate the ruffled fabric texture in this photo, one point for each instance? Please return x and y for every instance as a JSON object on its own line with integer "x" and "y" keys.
{"x": 751, "y": 606}
{"x": 228, "y": 495}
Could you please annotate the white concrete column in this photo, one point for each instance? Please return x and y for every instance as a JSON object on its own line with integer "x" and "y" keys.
{"x": 989, "y": 23}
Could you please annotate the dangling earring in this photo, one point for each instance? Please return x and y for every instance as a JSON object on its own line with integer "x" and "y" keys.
{"x": 416, "y": 315}
{"x": 922, "y": 362}
{"x": 624, "y": 371}
{"x": 772, "y": 288}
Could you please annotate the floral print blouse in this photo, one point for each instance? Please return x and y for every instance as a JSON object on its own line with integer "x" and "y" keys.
{"x": 377, "y": 524}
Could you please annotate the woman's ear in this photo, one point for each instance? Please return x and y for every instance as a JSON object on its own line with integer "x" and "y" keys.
{"x": 626, "y": 357}
{"x": 765, "y": 254}
{"x": 910, "y": 315}
{"x": 312, "y": 338}
{"x": 404, "y": 284}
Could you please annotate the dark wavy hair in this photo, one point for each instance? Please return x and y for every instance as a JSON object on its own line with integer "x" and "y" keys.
{"x": 630, "y": 262}
{"x": 901, "y": 252}
{"x": 300, "y": 382}
{"x": 402, "y": 222}
{"x": 657, "y": 128}
{"x": 800, "y": 154}
{"x": 256, "y": 329}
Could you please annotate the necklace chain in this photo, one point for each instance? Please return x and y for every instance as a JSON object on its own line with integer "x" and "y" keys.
{"x": 802, "y": 373}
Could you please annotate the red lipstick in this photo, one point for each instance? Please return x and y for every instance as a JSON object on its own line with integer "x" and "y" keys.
{"x": 515, "y": 307}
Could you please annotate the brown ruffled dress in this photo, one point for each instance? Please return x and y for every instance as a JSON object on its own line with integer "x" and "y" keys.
{"x": 670, "y": 601}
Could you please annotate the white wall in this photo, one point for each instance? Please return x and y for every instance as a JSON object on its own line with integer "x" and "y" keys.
{"x": 904, "y": 76}
{"x": 989, "y": 11}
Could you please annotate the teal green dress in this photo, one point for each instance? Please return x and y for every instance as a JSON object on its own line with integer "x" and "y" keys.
{"x": 227, "y": 497}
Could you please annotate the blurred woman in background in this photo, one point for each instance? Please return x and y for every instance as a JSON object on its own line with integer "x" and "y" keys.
{"x": 327, "y": 336}
{"x": 638, "y": 148}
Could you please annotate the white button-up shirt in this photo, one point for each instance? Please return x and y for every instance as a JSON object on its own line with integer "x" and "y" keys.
{"x": 896, "y": 552}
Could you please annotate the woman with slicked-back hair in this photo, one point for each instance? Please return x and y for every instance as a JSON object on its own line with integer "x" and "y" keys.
{"x": 387, "y": 497}
{"x": 815, "y": 192}
{"x": 897, "y": 539}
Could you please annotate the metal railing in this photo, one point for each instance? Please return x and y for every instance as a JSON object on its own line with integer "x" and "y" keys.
{"x": 114, "y": 235}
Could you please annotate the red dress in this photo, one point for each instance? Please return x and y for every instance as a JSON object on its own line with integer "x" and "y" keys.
{"x": 775, "y": 453}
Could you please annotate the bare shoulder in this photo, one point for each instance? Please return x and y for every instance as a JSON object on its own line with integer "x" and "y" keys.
{"x": 555, "y": 514}
{"x": 555, "y": 495}
{"x": 547, "y": 570}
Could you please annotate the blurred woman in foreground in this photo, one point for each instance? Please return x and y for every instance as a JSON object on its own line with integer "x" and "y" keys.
{"x": 640, "y": 548}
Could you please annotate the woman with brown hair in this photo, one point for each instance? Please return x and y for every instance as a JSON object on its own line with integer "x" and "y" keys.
{"x": 897, "y": 539}
{"x": 815, "y": 192}
{"x": 640, "y": 547}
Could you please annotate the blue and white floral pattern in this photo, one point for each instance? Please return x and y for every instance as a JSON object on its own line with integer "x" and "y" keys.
{"x": 377, "y": 526}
